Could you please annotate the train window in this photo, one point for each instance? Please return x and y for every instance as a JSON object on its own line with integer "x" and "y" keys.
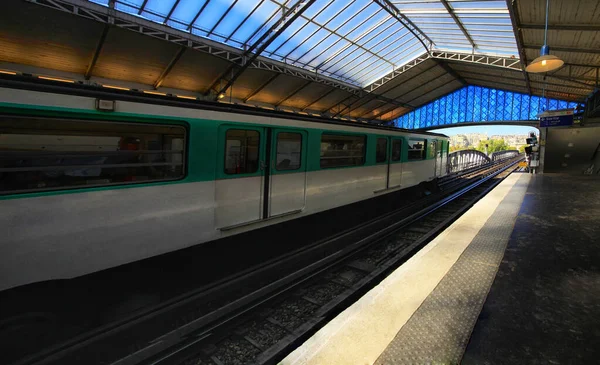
{"x": 431, "y": 149}
{"x": 381, "y": 150}
{"x": 342, "y": 150}
{"x": 396, "y": 150}
{"x": 241, "y": 151}
{"x": 416, "y": 149}
{"x": 289, "y": 151}
{"x": 41, "y": 154}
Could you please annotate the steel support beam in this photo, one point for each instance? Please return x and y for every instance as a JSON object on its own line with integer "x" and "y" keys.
{"x": 296, "y": 91}
{"x": 169, "y": 67}
{"x": 191, "y": 25}
{"x": 412, "y": 77}
{"x": 90, "y": 68}
{"x": 327, "y": 93}
{"x": 142, "y": 7}
{"x": 576, "y": 27}
{"x": 514, "y": 18}
{"x": 407, "y": 23}
{"x": 565, "y": 49}
{"x": 171, "y": 11}
{"x": 501, "y": 62}
{"x": 392, "y": 75}
{"x": 262, "y": 86}
{"x": 102, "y": 14}
{"x": 451, "y": 71}
{"x": 263, "y": 42}
{"x": 434, "y": 89}
{"x": 341, "y": 102}
{"x": 450, "y": 11}
{"x": 351, "y": 108}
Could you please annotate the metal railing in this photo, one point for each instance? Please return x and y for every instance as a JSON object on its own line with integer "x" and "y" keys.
{"x": 466, "y": 159}
{"x": 503, "y": 155}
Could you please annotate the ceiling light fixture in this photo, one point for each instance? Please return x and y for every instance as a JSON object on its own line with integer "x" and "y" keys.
{"x": 545, "y": 62}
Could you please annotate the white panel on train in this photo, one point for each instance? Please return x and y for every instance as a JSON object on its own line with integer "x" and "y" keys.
{"x": 287, "y": 190}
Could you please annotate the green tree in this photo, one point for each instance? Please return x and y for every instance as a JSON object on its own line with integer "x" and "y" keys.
{"x": 522, "y": 149}
{"x": 494, "y": 145}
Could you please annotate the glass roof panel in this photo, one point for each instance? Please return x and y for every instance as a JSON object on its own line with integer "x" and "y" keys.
{"x": 353, "y": 40}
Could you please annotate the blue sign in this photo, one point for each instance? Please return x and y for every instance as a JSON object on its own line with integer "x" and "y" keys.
{"x": 556, "y": 121}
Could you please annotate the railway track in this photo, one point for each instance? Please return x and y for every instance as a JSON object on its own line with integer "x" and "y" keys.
{"x": 260, "y": 314}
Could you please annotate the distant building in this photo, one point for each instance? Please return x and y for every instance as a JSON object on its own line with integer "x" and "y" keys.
{"x": 471, "y": 140}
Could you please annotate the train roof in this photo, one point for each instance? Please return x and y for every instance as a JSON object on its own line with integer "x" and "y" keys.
{"x": 80, "y": 89}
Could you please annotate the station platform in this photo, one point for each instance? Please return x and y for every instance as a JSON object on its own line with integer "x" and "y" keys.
{"x": 515, "y": 280}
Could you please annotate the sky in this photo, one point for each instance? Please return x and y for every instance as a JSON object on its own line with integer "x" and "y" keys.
{"x": 489, "y": 129}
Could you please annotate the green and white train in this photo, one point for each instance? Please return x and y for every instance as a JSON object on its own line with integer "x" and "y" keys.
{"x": 82, "y": 190}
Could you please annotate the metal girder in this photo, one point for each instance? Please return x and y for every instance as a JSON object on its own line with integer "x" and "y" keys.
{"x": 191, "y": 25}
{"x": 122, "y": 20}
{"x": 580, "y": 27}
{"x": 296, "y": 91}
{"x": 565, "y": 49}
{"x": 568, "y": 79}
{"x": 327, "y": 93}
{"x": 263, "y": 42}
{"x": 90, "y": 68}
{"x": 339, "y": 103}
{"x": 502, "y": 62}
{"x": 412, "y": 77}
{"x": 171, "y": 11}
{"x": 407, "y": 23}
{"x": 142, "y": 7}
{"x": 514, "y": 18}
{"x": 392, "y": 75}
{"x": 169, "y": 67}
{"x": 222, "y": 17}
{"x": 262, "y": 86}
{"x": 350, "y": 106}
{"x": 450, "y": 11}
{"x": 451, "y": 71}
{"x": 430, "y": 91}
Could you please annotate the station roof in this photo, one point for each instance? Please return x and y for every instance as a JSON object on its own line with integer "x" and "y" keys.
{"x": 356, "y": 59}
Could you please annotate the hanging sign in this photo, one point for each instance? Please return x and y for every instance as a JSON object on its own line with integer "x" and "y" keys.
{"x": 556, "y": 118}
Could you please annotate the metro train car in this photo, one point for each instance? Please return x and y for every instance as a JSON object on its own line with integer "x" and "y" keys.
{"x": 83, "y": 188}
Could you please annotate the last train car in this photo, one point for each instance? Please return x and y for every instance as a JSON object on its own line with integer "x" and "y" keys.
{"x": 83, "y": 189}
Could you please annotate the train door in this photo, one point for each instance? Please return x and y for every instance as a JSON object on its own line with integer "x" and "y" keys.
{"x": 438, "y": 159}
{"x": 260, "y": 174}
{"x": 432, "y": 153}
{"x": 389, "y": 155}
{"x": 287, "y": 190}
{"x": 395, "y": 163}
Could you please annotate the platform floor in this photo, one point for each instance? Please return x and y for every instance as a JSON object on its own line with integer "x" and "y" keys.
{"x": 542, "y": 307}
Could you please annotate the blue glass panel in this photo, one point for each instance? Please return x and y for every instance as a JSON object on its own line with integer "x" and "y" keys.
{"x": 477, "y": 103}
{"x": 562, "y": 104}
{"x": 525, "y": 106}
{"x": 463, "y": 103}
{"x": 454, "y": 108}
{"x": 490, "y": 104}
{"x": 444, "y": 116}
{"x": 534, "y": 107}
{"x": 470, "y": 104}
{"x": 516, "y": 107}
{"x": 508, "y": 106}
{"x": 418, "y": 118}
{"x": 429, "y": 112}
{"x": 499, "y": 111}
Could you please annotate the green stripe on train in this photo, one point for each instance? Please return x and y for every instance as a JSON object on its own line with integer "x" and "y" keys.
{"x": 202, "y": 153}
